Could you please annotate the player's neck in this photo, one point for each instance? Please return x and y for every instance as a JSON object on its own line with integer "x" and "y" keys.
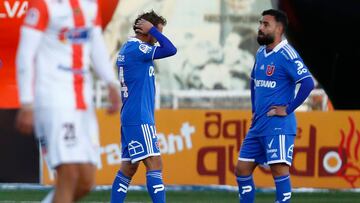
{"x": 271, "y": 46}
{"x": 143, "y": 38}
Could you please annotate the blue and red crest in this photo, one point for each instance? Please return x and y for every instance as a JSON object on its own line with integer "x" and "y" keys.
{"x": 270, "y": 70}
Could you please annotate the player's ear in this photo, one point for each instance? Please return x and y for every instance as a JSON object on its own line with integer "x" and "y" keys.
{"x": 280, "y": 28}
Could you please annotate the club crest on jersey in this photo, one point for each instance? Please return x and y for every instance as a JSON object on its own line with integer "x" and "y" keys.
{"x": 32, "y": 17}
{"x": 270, "y": 70}
{"x": 145, "y": 48}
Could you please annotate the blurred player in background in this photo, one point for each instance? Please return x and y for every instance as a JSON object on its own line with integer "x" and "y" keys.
{"x": 137, "y": 80}
{"x": 270, "y": 140}
{"x": 59, "y": 40}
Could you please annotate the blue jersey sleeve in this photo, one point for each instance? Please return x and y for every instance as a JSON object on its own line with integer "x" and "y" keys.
{"x": 307, "y": 85}
{"x": 166, "y": 48}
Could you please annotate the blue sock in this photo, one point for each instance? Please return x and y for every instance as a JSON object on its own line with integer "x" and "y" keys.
{"x": 246, "y": 189}
{"x": 119, "y": 188}
{"x": 155, "y": 186}
{"x": 283, "y": 189}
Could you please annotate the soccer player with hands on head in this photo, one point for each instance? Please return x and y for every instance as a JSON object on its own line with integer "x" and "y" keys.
{"x": 139, "y": 141}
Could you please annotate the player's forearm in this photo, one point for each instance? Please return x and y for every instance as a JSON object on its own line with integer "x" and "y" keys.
{"x": 307, "y": 85}
{"x": 28, "y": 45}
{"x": 101, "y": 58}
{"x": 166, "y": 48}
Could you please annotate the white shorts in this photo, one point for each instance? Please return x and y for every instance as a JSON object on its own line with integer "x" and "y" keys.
{"x": 68, "y": 136}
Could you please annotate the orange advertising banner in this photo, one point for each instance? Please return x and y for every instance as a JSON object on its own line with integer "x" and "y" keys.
{"x": 200, "y": 147}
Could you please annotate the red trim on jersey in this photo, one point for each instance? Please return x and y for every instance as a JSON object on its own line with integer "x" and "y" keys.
{"x": 107, "y": 8}
{"x": 37, "y": 16}
{"x": 77, "y": 56}
{"x": 98, "y": 20}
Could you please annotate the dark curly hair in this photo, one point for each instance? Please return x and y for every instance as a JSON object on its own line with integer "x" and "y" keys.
{"x": 152, "y": 17}
{"x": 280, "y": 16}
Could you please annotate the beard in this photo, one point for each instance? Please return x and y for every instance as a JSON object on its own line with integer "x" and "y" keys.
{"x": 263, "y": 39}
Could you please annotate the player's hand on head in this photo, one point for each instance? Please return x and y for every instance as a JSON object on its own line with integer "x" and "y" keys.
{"x": 114, "y": 98}
{"x": 277, "y": 111}
{"x": 143, "y": 26}
{"x": 24, "y": 120}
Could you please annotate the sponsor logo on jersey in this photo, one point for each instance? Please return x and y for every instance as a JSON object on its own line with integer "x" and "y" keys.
{"x": 145, "y": 48}
{"x": 265, "y": 83}
{"x": 270, "y": 70}
{"x": 75, "y": 35}
{"x": 300, "y": 67}
{"x": 72, "y": 69}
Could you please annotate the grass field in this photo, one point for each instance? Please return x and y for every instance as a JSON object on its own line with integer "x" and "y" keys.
{"x": 212, "y": 196}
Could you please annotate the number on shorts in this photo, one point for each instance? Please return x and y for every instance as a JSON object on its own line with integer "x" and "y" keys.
{"x": 69, "y": 131}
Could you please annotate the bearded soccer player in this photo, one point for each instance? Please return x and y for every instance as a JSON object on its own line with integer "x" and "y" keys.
{"x": 277, "y": 70}
{"x": 137, "y": 78}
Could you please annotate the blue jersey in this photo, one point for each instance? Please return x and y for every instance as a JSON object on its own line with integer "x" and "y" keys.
{"x": 275, "y": 75}
{"x": 137, "y": 79}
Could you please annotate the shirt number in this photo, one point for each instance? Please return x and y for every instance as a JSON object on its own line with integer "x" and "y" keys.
{"x": 124, "y": 88}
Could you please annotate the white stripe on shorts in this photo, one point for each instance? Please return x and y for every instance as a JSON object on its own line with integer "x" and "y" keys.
{"x": 152, "y": 131}
{"x": 145, "y": 138}
{"x": 282, "y": 150}
{"x": 150, "y": 139}
{"x": 246, "y": 159}
{"x": 283, "y": 147}
{"x": 280, "y": 147}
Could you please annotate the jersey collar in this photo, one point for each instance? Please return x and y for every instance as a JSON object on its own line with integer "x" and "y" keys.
{"x": 276, "y": 48}
{"x": 134, "y": 39}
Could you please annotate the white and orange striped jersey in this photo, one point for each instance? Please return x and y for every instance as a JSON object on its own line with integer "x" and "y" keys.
{"x": 59, "y": 40}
